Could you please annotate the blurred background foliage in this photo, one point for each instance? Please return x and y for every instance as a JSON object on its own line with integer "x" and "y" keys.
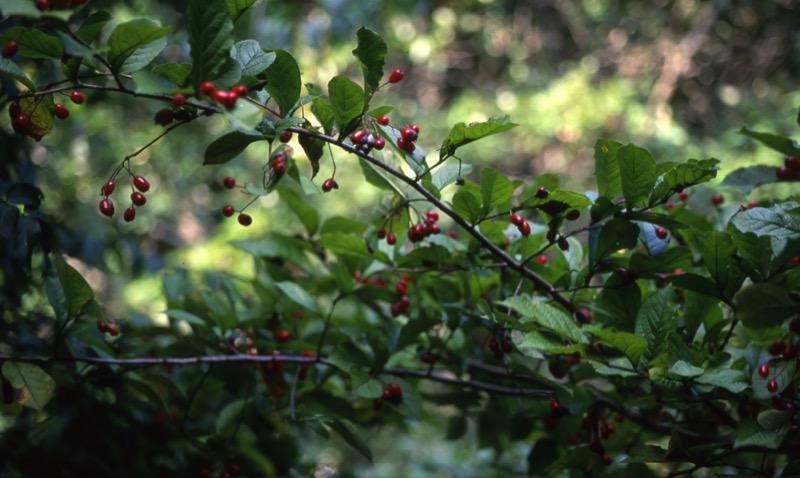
{"x": 678, "y": 77}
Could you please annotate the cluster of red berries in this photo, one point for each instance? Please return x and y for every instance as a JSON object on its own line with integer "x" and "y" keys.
{"x": 408, "y": 135}
{"x": 500, "y": 347}
{"x": 110, "y": 327}
{"x": 166, "y": 115}
{"x": 278, "y": 163}
{"x": 44, "y": 5}
{"x": 365, "y": 141}
{"x": 244, "y": 219}
{"x": 138, "y": 199}
{"x": 522, "y": 225}
{"x": 21, "y": 121}
{"x": 226, "y": 98}
{"x": 392, "y": 393}
{"x": 785, "y": 351}
{"x": 227, "y": 472}
{"x": 790, "y": 169}
{"x": 420, "y": 231}
{"x": 403, "y": 302}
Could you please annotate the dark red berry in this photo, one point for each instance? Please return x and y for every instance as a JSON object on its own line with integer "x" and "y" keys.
{"x": 763, "y": 369}
{"x": 228, "y": 182}
{"x": 101, "y": 326}
{"x": 108, "y": 188}
{"x": 625, "y": 276}
{"x": 138, "y": 198}
{"x": 401, "y": 287}
{"x": 391, "y": 239}
{"x": 178, "y": 100}
{"x": 525, "y": 228}
{"x": 717, "y": 199}
{"x": 21, "y": 120}
{"x": 383, "y": 120}
{"x": 42, "y": 5}
{"x": 381, "y": 233}
{"x": 240, "y": 91}
{"x": 106, "y": 207}
{"x": 141, "y": 183}
{"x": 542, "y": 192}
{"x": 60, "y": 111}
{"x": 329, "y": 185}
{"x": 396, "y": 76}
{"x": 207, "y": 88}
{"x": 379, "y": 143}
{"x": 784, "y": 173}
{"x": 776, "y": 348}
{"x": 516, "y": 219}
{"x": 409, "y": 134}
{"x": 433, "y": 228}
{"x": 282, "y": 335}
{"x": 406, "y": 145}
{"x": 661, "y": 233}
{"x": 432, "y": 216}
{"x": 14, "y": 109}
{"x": 77, "y": 97}
{"x": 772, "y": 385}
{"x": 164, "y": 116}
{"x": 573, "y": 215}
{"x": 357, "y": 135}
{"x": 377, "y": 403}
{"x": 790, "y": 162}
{"x": 129, "y": 214}
{"x": 607, "y": 460}
{"x": 285, "y": 137}
{"x": 395, "y": 392}
{"x": 683, "y": 195}
{"x": 227, "y": 210}
{"x": 10, "y": 49}
{"x": 234, "y": 468}
{"x": 794, "y": 325}
{"x": 245, "y": 219}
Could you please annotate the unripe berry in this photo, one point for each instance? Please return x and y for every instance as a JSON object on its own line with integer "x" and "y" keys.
{"x": 383, "y": 120}
{"x": 106, "y": 207}
{"x": 178, "y": 100}
{"x": 396, "y": 76}
{"x": 227, "y": 210}
{"x": 77, "y": 97}
{"x": 229, "y": 182}
{"x": 10, "y": 49}
{"x": 245, "y": 219}
{"x": 60, "y": 111}
{"x": 129, "y": 214}
{"x": 138, "y": 198}
{"x": 141, "y": 184}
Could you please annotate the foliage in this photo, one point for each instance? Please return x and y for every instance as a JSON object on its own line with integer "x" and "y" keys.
{"x": 618, "y": 331}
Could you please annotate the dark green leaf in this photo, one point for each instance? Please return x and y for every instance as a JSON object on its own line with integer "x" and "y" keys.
{"x": 775, "y": 221}
{"x": 134, "y": 44}
{"x": 230, "y": 416}
{"x": 298, "y": 295}
{"x": 346, "y": 245}
{"x": 543, "y": 454}
{"x": 237, "y": 7}
{"x": 25, "y": 194}
{"x": 558, "y": 201}
{"x": 546, "y": 315}
{"x": 606, "y": 168}
{"x": 615, "y": 234}
{"x": 279, "y": 247}
{"x": 637, "y": 171}
{"x": 76, "y": 290}
{"x": 683, "y": 175}
{"x": 210, "y": 30}
{"x": 631, "y": 345}
{"x": 697, "y": 283}
{"x": 371, "y": 51}
{"x": 10, "y": 69}
{"x": 495, "y": 188}
{"x": 92, "y": 26}
{"x": 304, "y": 212}
{"x": 467, "y": 205}
{"x": 321, "y": 107}
{"x": 718, "y": 253}
{"x": 38, "y": 44}
{"x": 283, "y": 81}
{"x": 778, "y": 143}
{"x": 463, "y": 134}
{"x": 673, "y": 258}
{"x": 177, "y": 72}
{"x": 347, "y": 100}
{"x": 749, "y": 433}
{"x": 251, "y": 58}
{"x": 225, "y": 148}
{"x": 37, "y": 386}
{"x": 655, "y": 319}
{"x": 447, "y": 173}
{"x": 313, "y": 147}
{"x": 351, "y": 437}
{"x": 619, "y": 306}
{"x": 747, "y": 178}
{"x": 764, "y": 305}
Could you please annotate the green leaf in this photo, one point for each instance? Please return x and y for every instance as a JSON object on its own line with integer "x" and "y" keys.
{"x": 77, "y": 291}
{"x": 210, "y": 30}
{"x": 747, "y": 178}
{"x": 467, "y": 205}
{"x": 346, "y": 245}
{"x": 764, "y": 305}
{"x": 495, "y": 189}
{"x": 350, "y": 437}
{"x": 230, "y": 416}
{"x": 655, "y": 319}
{"x": 277, "y": 246}
{"x": 775, "y": 221}
{"x": 682, "y": 176}
{"x": 40, "y": 114}
{"x": 629, "y": 344}
{"x": 227, "y": 147}
{"x": 545, "y": 315}
{"x": 134, "y": 44}
{"x": 684, "y": 369}
{"x": 733, "y": 381}
{"x": 10, "y": 69}
{"x": 462, "y": 134}
{"x": 615, "y": 234}
{"x": 778, "y": 143}
{"x": 637, "y": 171}
{"x": 313, "y": 147}
{"x": 177, "y": 72}
{"x": 190, "y": 318}
{"x": 321, "y": 107}
{"x": 447, "y": 174}
{"x": 558, "y": 201}
{"x": 283, "y": 81}
{"x": 347, "y": 100}
{"x": 91, "y": 27}
{"x": 304, "y": 212}
{"x": 251, "y": 58}
{"x": 38, "y": 44}
{"x": 36, "y": 385}
{"x": 749, "y": 433}
{"x": 370, "y": 51}
{"x": 237, "y": 7}
{"x": 619, "y": 306}
{"x": 606, "y": 168}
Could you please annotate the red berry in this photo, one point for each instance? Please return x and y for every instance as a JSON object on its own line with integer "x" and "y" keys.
{"x": 244, "y": 219}
{"x": 282, "y": 335}
{"x": 670, "y": 205}
{"x": 427, "y": 357}
{"x": 357, "y": 136}
{"x": 10, "y": 49}
{"x": 14, "y": 109}
{"x": 21, "y": 120}
{"x": 377, "y": 403}
{"x": 240, "y": 91}
{"x": 791, "y": 162}
{"x": 382, "y": 119}
{"x": 661, "y": 233}
{"x": 108, "y": 188}
{"x": 164, "y": 116}
{"x": 784, "y": 173}
{"x": 285, "y": 137}
{"x": 234, "y": 468}
{"x": 607, "y": 460}
{"x": 227, "y": 210}
{"x": 225, "y": 98}
{"x": 516, "y": 219}
{"x": 396, "y": 76}
{"x": 432, "y": 216}
{"x": 141, "y": 184}
{"x": 776, "y": 348}
{"x": 683, "y": 195}
{"x": 763, "y": 369}
{"x": 329, "y": 185}
{"x": 381, "y": 233}
{"x": 60, "y": 111}
{"x": 752, "y": 204}
{"x": 379, "y": 143}
{"x": 625, "y": 275}
{"x": 391, "y": 239}
{"x": 394, "y": 389}
{"x": 77, "y": 97}
{"x": 409, "y": 134}
{"x": 178, "y": 100}
{"x": 717, "y": 199}
{"x": 129, "y": 214}
{"x": 541, "y": 259}
{"x": 207, "y": 88}
{"x": 525, "y": 229}
{"x": 401, "y": 287}
{"x": 772, "y": 385}
{"x": 542, "y": 192}
{"x": 138, "y": 198}
{"x": 42, "y": 5}
{"x": 229, "y": 182}
{"x": 433, "y": 228}
{"x": 406, "y": 145}
{"x": 101, "y": 326}
{"x": 793, "y": 261}
{"x": 494, "y": 344}
{"x": 106, "y": 207}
